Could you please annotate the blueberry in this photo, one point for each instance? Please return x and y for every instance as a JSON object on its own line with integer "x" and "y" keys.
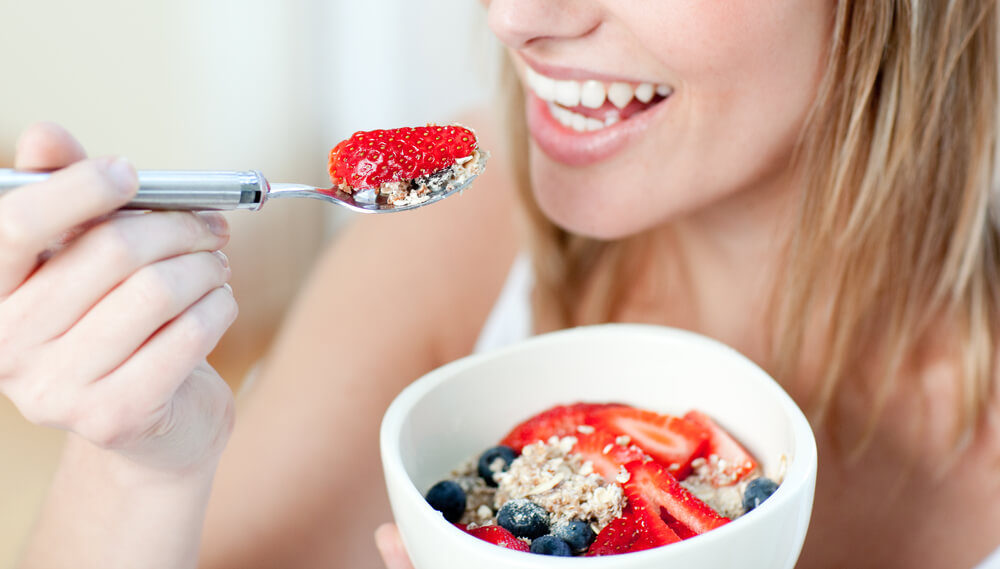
{"x": 758, "y": 490}
{"x": 491, "y": 456}
{"x": 448, "y": 498}
{"x": 576, "y": 533}
{"x": 523, "y": 518}
{"x": 551, "y": 545}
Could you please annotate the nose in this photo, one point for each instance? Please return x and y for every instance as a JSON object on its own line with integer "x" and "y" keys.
{"x": 518, "y": 23}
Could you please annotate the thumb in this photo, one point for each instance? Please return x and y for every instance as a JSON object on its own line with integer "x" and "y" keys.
{"x": 390, "y": 546}
{"x": 47, "y": 146}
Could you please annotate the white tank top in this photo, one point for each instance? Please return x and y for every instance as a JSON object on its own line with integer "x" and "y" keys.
{"x": 509, "y": 320}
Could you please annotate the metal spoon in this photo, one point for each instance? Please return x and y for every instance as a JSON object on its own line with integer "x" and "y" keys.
{"x": 228, "y": 190}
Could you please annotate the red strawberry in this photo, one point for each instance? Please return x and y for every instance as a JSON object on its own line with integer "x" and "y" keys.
{"x": 605, "y": 453}
{"x": 616, "y": 537}
{"x": 738, "y": 463}
{"x": 668, "y": 439}
{"x": 651, "y": 486}
{"x": 635, "y": 530}
{"x": 499, "y": 536}
{"x": 370, "y": 159}
{"x": 655, "y": 532}
{"x": 561, "y": 421}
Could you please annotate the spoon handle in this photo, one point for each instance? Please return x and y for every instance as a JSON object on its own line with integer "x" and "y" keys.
{"x": 176, "y": 189}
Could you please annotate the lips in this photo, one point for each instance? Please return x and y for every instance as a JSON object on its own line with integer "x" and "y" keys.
{"x": 579, "y": 120}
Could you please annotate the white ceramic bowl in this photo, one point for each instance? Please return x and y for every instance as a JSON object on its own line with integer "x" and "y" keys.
{"x": 457, "y": 411}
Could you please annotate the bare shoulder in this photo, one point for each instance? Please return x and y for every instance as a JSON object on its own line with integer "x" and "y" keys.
{"x": 914, "y": 494}
{"x": 944, "y": 397}
{"x": 960, "y": 460}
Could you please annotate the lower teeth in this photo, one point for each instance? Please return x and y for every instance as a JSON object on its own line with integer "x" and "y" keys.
{"x": 578, "y": 122}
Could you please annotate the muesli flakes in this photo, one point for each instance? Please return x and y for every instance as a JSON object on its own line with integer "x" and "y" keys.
{"x": 562, "y": 483}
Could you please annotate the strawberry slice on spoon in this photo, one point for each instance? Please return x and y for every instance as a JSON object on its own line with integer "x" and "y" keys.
{"x": 406, "y": 165}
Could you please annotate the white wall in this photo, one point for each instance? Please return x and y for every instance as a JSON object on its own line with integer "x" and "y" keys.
{"x": 426, "y": 59}
{"x": 263, "y": 84}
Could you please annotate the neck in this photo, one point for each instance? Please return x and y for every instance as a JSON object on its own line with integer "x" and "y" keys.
{"x": 714, "y": 271}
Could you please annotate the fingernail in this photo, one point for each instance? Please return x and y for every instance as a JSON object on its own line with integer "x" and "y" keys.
{"x": 123, "y": 174}
{"x": 222, "y": 258}
{"x": 217, "y": 223}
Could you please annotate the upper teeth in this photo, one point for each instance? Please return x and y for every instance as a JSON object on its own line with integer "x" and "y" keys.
{"x": 591, "y": 93}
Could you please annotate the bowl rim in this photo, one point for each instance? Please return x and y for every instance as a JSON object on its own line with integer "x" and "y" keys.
{"x": 800, "y": 472}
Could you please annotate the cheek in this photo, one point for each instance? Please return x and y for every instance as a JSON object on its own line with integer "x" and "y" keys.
{"x": 702, "y": 38}
{"x": 747, "y": 74}
{"x": 753, "y": 57}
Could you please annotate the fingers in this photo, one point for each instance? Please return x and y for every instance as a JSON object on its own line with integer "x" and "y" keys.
{"x": 147, "y": 406}
{"x": 34, "y": 216}
{"x": 99, "y": 260}
{"x": 152, "y": 376}
{"x": 135, "y": 310}
{"x": 47, "y": 146}
{"x": 103, "y": 336}
{"x": 390, "y": 547}
{"x": 134, "y": 401}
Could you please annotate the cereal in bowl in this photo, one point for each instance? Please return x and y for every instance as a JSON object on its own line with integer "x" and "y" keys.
{"x": 602, "y": 479}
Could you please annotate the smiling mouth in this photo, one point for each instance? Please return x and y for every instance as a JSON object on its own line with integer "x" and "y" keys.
{"x": 592, "y": 105}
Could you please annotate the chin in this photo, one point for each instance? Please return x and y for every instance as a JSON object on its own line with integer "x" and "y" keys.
{"x": 586, "y": 205}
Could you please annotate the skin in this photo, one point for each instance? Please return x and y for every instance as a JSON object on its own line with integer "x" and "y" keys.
{"x": 140, "y": 441}
{"x": 299, "y": 482}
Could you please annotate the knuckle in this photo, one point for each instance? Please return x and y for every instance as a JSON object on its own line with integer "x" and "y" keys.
{"x": 41, "y": 405}
{"x": 108, "y": 425}
{"x": 204, "y": 326}
{"x": 199, "y": 332}
{"x": 96, "y": 177}
{"x": 12, "y": 351}
{"x": 191, "y": 227}
{"x": 204, "y": 271}
{"x": 154, "y": 289}
{"x": 114, "y": 244}
{"x": 34, "y": 410}
{"x": 91, "y": 175}
{"x": 15, "y": 229}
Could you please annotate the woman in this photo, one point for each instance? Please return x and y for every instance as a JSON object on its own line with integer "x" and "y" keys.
{"x": 807, "y": 181}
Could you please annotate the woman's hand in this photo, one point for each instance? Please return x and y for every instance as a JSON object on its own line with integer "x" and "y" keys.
{"x": 390, "y": 546}
{"x": 105, "y": 317}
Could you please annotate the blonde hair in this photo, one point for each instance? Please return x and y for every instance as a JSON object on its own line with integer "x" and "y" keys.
{"x": 894, "y": 240}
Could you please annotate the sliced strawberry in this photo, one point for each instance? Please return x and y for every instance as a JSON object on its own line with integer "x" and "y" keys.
{"x": 616, "y": 537}
{"x": 499, "y": 536}
{"x": 637, "y": 529}
{"x": 736, "y": 462}
{"x": 651, "y": 486}
{"x": 671, "y": 440}
{"x": 655, "y": 532}
{"x": 560, "y": 421}
{"x": 604, "y": 452}
{"x": 679, "y": 529}
{"x": 369, "y": 159}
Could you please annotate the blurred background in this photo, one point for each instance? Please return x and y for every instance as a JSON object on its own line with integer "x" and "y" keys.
{"x": 269, "y": 85}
